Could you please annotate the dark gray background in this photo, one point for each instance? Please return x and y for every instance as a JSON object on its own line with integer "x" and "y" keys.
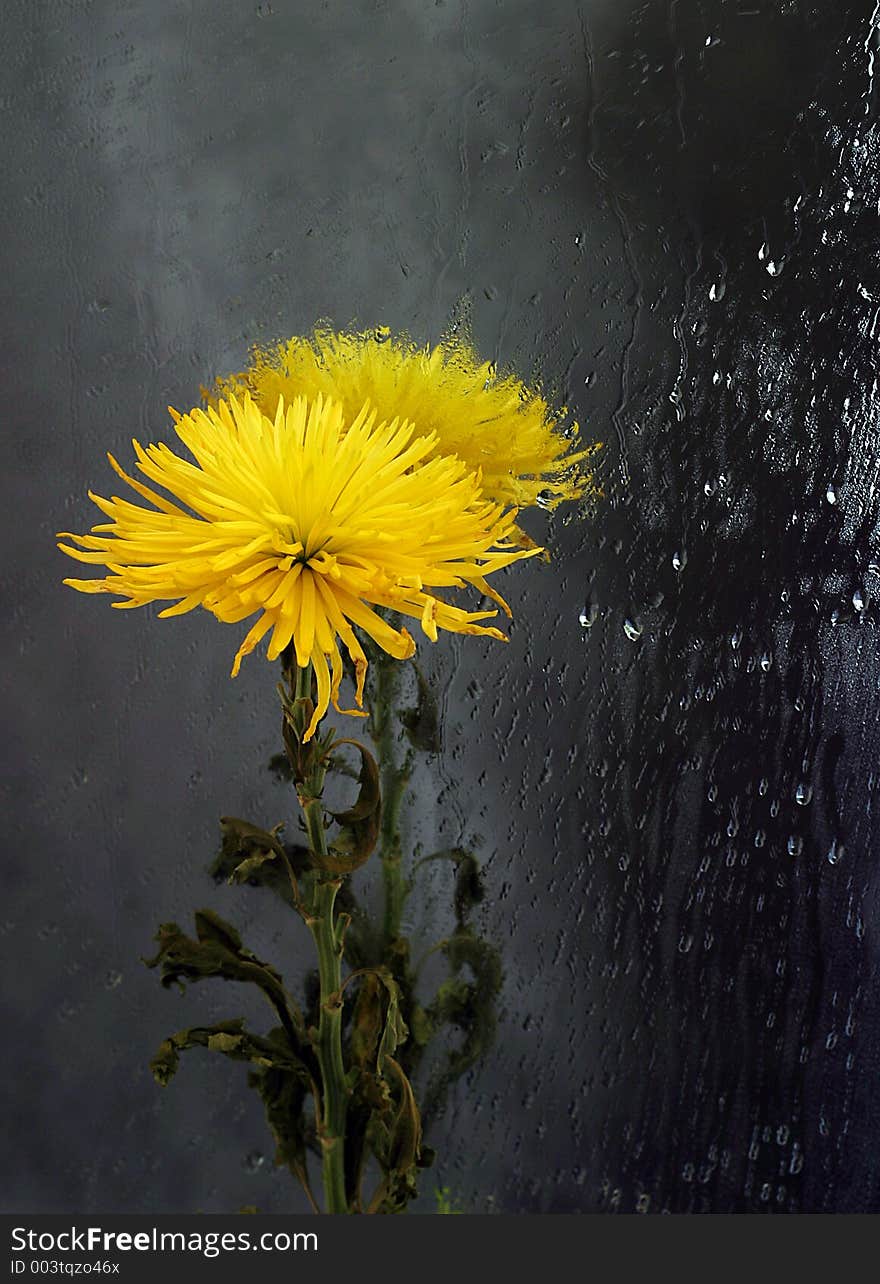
{"x": 671, "y": 210}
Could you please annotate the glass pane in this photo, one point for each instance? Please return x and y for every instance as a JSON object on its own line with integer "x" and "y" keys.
{"x": 667, "y": 213}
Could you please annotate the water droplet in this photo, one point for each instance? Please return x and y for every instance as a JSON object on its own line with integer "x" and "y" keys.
{"x": 775, "y": 266}
{"x": 253, "y": 1161}
{"x": 735, "y": 639}
{"x": 803, "y": 794}
{"x": 588, "y": 616}
{"x": 763, "y": 252}
{"x": 717, "y": 291}
{"x": 835, "y": 853}
{"x": 544, "y": 498}
{"x": 632, "y": 629}
{"x": 679, "y": 560}
{"x": 859, "y": 600}
{"x": 766, "y": 662}
{"x": 795, "y": 845}
{"x": 382, "y": 333}
{"x": 831, "y": 495}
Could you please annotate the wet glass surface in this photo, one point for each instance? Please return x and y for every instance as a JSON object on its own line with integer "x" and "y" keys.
{"x": 670, "y": 212}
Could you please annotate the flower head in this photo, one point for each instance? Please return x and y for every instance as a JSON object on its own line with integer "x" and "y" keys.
{"x": 310, "y": 518}
{"x": 490, "y": 421}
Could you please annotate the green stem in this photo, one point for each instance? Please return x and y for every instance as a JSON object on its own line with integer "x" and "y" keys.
{"x": 394, "y": 778}
{"x": 302, "y": 682}
{"x": 327, "y": 931}
{"x": 323, "y": 927}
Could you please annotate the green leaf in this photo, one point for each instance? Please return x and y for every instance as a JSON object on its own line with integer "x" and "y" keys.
{"x": 307, "y": 761}
{"x": 296, "y": 717}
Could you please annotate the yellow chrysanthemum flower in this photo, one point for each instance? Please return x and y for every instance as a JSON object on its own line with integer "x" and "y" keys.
{"x": 312, "y": 519}
{"x": 491, "y": 421}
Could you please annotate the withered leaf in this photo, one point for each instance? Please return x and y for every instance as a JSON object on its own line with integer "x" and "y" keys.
{"x": 230, "y": 1038}
{"x": 406, "y": 1132}
{"x": 218, "y": 951}
{"x": 358, "y": 824}
{"x": 245, "y": 848}
{"x": 378, "y": 1028}
{"x": 468, "y": 1003}
{"x": 396, "y": 1141}
{"x": 366, "y": 1025}
{"x": 284, "y": 1096}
